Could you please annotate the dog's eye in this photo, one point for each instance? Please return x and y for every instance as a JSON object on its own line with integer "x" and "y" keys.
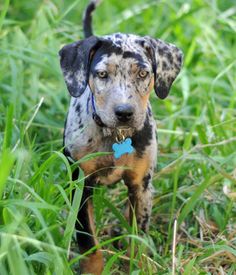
{"x": 102, "y": 74}
{"x": 142, "y": 73}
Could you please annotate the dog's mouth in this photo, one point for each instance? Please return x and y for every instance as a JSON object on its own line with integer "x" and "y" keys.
{"x": 111, "y": 126}
{"x": 119, "y": 132}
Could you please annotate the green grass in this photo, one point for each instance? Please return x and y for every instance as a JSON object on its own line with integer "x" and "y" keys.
{"x": 195, "y": 181}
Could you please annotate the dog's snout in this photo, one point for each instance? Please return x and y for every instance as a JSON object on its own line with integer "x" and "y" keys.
{"x": 124, "y": 112}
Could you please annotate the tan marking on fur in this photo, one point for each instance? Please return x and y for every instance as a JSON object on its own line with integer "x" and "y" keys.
{"x": 119, "y": 166}
{"x": 96, "y": 164}
{"x": 92, "y": 264}
{"x": 133, "y": 167}
{"x": 88, "y": 167}
{"x": 125, "y": 160}
{"x": 91, "y": 85}
{"x": 145, "y": 98}
{"x": 134, "y": 68}
{"x": 102, "y": 163}
{"x": 111, "y": 68}
{"x": 114, "y": 176}
{"x": 139, "y": 169}
{"x": 99, "y": 99}
{"x": 91, "y": 220}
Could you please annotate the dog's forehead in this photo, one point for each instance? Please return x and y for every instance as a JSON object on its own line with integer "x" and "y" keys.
{"x": 127, "y": 42}
{"x": 119, "y": 48}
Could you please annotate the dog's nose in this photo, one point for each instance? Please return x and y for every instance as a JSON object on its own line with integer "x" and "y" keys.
{"x": 124, "y": 112}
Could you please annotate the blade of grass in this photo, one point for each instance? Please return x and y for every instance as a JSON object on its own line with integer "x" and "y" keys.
{"x": 6, "y": 163}
{"x": 72, "y": 217}
{"x": 188, "y": 207}
{"x": 110, "y": 262}
{"x": 4, "y": 12}
{"x": 172, "y": 210}
{"x": 189, "y": 267}
{"x": 8, "y": 128}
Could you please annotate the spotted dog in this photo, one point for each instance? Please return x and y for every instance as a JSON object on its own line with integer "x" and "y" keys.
{"x": 110, "y": 79}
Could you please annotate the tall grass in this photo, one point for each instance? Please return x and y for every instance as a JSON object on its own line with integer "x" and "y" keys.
{"x": 195, "y": 181}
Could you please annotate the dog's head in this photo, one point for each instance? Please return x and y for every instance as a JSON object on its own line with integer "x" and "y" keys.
{"x": 121, "y": 70}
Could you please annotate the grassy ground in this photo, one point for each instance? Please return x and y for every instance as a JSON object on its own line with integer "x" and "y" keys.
{"x": 195, "y": 180}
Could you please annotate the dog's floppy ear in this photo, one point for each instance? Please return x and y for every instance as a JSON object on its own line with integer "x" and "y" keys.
{"x": 167, "y": 62}
{"x": 75, "y": 61}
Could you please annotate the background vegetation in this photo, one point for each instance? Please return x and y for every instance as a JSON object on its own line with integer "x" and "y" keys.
{"x": 195, "y": 180}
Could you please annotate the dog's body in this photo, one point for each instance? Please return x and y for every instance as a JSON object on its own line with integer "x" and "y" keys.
{"x": 110, "y": 80}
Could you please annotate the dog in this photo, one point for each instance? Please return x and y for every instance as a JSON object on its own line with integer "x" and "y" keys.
{"x": 110, "y": 79}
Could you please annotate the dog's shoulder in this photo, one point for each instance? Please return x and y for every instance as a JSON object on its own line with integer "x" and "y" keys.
{"x": 81, "y": 132}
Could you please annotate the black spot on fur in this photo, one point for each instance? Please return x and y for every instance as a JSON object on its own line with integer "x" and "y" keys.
{"x": 179, "y": 58}
{"x": 170, "y": 79}
{"x": 149, "y": 111}
{"x": 140, "y": 42}
{"x": 165, "y": 49}
{"x": 90, "y": 140}
{"x": 145, "y": 221}
{"x": 106, "y": 50}
{"x": 136, "y": 86}
{"x": 118, "y": 35}
{"x": 81, "y": 126}
{"x": 161, "y": 51}
{"x": 118, "y": 42}
{"x": 138, "y": 58}
{"x": 129, "y": 54}
{"x": 164, "y": 65}
{"x": 78, "y": 109}
{"x": 146, "y": 181}
{"x": 143, "y": 138}
{"x": 176, "y": 65}
{"x": 169, "y": 57}
{"x": 66, "y": 152}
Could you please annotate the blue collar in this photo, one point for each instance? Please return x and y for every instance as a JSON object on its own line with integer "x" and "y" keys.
{"x": 95, "y": 116}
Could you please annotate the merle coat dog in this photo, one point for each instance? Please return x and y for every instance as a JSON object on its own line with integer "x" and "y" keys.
{"x": 110, "y": 79}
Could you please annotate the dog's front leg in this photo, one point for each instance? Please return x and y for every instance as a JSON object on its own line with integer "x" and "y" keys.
{"x": 140, "y": 197}
{"x": 92, "y": 263}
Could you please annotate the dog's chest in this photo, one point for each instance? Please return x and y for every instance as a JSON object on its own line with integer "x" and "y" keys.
{"x": 110, "y": 176}
{"x": 107, "y": 169}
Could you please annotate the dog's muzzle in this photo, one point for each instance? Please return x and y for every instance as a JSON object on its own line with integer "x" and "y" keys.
{"x": 124, "y": 113}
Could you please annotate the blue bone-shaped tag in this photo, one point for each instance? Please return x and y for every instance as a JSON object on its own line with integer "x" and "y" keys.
{"x": 122, "y": 148}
